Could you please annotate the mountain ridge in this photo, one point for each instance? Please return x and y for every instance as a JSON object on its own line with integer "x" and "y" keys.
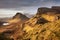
{"x": 45, "y": 25}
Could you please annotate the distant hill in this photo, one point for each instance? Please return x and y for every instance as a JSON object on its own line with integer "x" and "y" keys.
{"x": 19, "y": 17}
{"x": 15, "y": 25}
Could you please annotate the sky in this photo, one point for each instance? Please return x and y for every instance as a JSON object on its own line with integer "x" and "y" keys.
{"x": 9, "y": 8}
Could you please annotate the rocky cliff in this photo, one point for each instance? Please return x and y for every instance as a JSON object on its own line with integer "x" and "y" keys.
{"x": 44, "y": 25}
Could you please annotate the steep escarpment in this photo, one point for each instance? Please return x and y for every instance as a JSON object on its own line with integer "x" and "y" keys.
{"x": 45, "y": 25}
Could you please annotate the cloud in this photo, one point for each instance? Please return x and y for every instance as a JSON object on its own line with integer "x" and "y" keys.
{"x": 24, "y": 3}
{"x": 8, "y": 13}
{"x": 28, "y": 6}
{"x": 14, "y": 3}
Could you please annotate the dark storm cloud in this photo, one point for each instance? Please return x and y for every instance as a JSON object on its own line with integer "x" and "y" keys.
{"x": 26, "y": 3}
{"x": 15, "y": 3}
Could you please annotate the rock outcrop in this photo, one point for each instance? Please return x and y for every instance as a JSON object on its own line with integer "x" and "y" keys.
{"x": 50, "y": 14}
{"x": 44, "y": 10}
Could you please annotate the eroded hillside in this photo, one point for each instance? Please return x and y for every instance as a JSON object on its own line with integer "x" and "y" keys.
{"x": 45, "y": 25}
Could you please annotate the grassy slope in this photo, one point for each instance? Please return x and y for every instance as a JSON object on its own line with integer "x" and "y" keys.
{"x": 48, "y": 31}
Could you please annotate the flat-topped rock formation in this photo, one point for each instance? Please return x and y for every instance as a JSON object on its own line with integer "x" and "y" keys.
{"x": 56, "y": 7}
{"x": 44, "y": 10}
{"x": 52, "y": 13}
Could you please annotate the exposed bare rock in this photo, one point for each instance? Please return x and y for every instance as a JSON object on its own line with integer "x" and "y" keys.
{"x": 42, "y": 10}
{"x": 56, "y": 8}
{"x": 50, "y": 14}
